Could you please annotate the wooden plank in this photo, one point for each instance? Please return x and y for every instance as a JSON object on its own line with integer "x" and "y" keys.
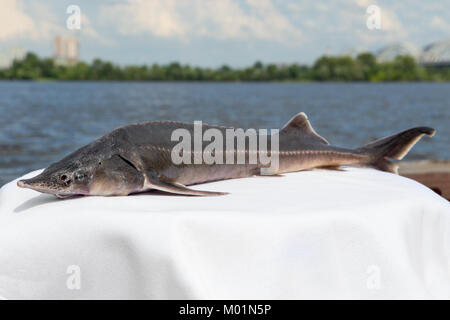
{"x": 431, "y": 173}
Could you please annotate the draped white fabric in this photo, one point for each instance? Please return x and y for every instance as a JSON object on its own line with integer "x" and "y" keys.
{"x": 358, "y": 233}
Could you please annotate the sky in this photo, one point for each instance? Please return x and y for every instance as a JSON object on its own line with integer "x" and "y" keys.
{"x": 211, "y": 33}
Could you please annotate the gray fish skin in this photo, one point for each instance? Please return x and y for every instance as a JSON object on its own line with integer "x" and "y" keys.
{"x": 137, "y": 158}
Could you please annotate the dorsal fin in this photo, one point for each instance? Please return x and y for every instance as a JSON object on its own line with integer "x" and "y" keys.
{"x": 300, "y": 125}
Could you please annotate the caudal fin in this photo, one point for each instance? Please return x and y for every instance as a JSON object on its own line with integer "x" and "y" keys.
{"x": 393, "y": 147}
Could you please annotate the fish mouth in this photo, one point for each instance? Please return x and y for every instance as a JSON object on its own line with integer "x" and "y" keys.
{"x": 26, "y": 185}
{"x": 64, "y": 196}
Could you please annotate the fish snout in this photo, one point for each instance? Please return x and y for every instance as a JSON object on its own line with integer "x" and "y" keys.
{"x": 25, "y": 183}
{"x": 33, "y": 185}
{"x": 22, "y": 184}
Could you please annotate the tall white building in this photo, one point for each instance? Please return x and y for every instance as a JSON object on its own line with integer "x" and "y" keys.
{"x": 66, "y": 50}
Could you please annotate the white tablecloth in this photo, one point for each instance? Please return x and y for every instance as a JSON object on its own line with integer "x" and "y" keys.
{"x": 360, "y": 233}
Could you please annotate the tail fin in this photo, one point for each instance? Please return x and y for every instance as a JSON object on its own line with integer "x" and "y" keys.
{"x": 393, "y": 147}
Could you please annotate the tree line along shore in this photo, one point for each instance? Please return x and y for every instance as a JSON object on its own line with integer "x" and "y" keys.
{"x": 364, "y": 67}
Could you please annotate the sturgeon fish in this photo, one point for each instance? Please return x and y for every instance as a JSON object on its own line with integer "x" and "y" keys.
{"x": 137, "y": 158}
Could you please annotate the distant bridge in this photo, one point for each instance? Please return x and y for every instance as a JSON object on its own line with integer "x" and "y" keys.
{"x": 436, "y": 54}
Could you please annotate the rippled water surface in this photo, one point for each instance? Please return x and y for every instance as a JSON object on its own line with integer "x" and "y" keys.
{"x": 41, "y": 122}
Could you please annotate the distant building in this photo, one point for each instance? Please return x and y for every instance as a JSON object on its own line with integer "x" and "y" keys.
{"x": 7, "y": 57}
{"x": 66, "y": 50}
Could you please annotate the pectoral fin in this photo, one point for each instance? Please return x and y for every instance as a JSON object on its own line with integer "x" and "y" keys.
{"x": 133, "y": 159}
{"x": 178, "y": 188}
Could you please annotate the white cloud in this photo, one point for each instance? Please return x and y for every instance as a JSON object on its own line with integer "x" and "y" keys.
{"x": 352, "y": 17}
{"x": 389, "y": 19}
{"x": 45, "y": 23}
{"x": 133, "y": 17}
{"x": 37, "y": 21}
{"x": 13, "y": 21}
{"x": 89, "y": 31}
{"x": 224, "y": 19}
{"x": 391, "y": 23}
{"x": 440, "y": 24}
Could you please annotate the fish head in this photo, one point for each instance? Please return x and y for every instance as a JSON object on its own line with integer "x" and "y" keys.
{"x": 63, "y": 178}
{"x": 90, "y": 175}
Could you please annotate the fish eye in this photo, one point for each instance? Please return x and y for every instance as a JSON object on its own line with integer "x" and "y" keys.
{"x": 79, "y": 176}
{"x": 63, "y": 177}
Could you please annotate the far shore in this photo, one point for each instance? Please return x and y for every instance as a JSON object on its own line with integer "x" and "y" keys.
{"x": 363, "y": 68}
